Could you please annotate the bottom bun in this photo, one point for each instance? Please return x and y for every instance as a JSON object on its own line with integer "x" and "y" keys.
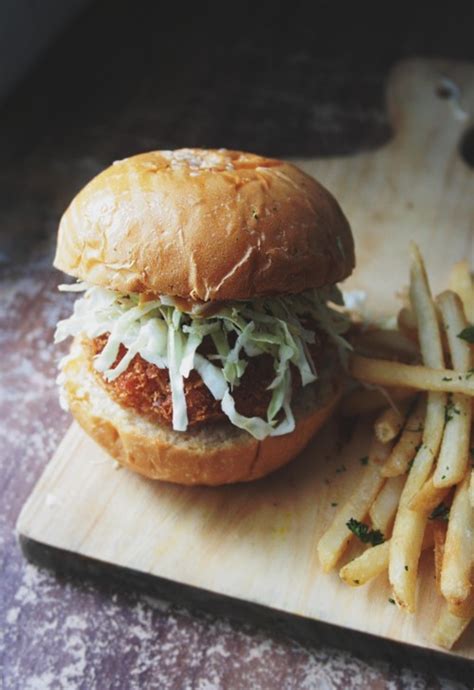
{"x": 214, "y": 454}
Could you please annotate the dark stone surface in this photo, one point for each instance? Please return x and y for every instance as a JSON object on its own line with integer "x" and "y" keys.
{"x": 280, "y": 78}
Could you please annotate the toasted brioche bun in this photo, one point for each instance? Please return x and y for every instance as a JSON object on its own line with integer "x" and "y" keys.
{"x": 205, "y": 225}
{"x": 211, "y": 455}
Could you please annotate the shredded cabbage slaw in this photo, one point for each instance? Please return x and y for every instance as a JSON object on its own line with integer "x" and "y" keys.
{"x": 165, "y": 335}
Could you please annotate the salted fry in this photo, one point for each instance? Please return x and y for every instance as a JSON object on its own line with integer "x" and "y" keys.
{"x": 365, "y": 401}
{"x": 459, "y": 548}
{"x": 425, "y": 311}
{"x": 429, "y": 496}
{"x": 373, "y": 562}
{"x": 405, "y": 551}
{"x": 409, "y": 526}
{"x": 460, "y": 281}
{"x": 406, "y": 448}
{"x": 434, "y": 426}
{"x": 383, "y": 509}
{"x": 454, "y": 453}
{"x": 463, "y": 609}
{"x": 449, "y": 628}
{"x": 383, "y": 372}
{"x": 439, "y": 537}
{"x": 454, "y": 321}
{"x": 368, "y": 565}
{"x": 407, "y": 325}
{"x": 390, "y": 422}
{"x": 336, "y": 538}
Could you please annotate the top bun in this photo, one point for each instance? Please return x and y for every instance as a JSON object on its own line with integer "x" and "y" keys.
{"x": 205, "y": 225}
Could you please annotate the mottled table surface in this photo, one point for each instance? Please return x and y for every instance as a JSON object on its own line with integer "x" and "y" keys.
{"x": 124, "y": 78}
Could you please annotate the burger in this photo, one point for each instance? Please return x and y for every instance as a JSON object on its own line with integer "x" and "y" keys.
{"x": 209, "y": 332}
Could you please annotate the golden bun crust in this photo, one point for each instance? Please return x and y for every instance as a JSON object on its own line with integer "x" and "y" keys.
{"x": 205, "y": 225}
{"x": 217, "y": 454}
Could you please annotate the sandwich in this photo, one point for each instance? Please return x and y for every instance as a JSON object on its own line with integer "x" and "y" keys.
{"x": 208, "y": 335}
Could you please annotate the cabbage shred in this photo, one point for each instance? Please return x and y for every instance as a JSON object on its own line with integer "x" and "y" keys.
{"x": 164, "y": 334}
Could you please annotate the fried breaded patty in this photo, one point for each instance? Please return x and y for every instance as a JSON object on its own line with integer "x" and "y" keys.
{"x": 146, "y": 388}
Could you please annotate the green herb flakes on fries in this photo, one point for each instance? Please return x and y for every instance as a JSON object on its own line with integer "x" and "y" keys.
{"x": 419, "y": 493}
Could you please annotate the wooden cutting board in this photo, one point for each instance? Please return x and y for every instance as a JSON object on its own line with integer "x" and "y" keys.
{"x": 258, "y": 542}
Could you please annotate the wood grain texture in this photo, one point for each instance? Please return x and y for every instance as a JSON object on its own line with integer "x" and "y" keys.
{"x": 415, "y": 187}
{"x": 258, "y": 542}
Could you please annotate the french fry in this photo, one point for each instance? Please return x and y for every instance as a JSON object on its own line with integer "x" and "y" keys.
{"x": 434, "y": 426}
{"x": 409, "y": 526}
{"x": 407, "y": 325}
{"x": 406, "y": 448}
{"x": 464, "y": 609}
{"x": 425, "y": 312}
{"x": 390, "y": 422}
{"x": 383, "y": 509}
{"x": 454, "y": 453}
{"x": 405, "y": 547}
{"x": 336, "y": 538}
{"x": 368, "y": 565}
{"x": 459, "y": 547}
{"x": 373, "y": 562}
{"x": 365, "y": 400}
{"x": 449, "y": 628}
{"x": 460, "y": 281}
{"x": 429, "y": 496}
{"x": 439, "y": 536}
{"x": 471, "y": 488}
{"x": 382, "y": 372}
{"x": 454, "y": 321}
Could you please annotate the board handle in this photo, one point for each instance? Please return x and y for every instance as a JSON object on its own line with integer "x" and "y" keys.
{"x": 430, "y": 102}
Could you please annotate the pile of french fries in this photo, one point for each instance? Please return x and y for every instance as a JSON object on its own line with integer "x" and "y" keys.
{"x": 417, "y": 487}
